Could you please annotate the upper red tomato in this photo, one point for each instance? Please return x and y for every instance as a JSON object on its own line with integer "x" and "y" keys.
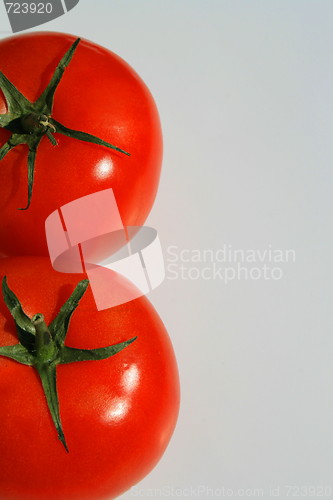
{"x": 118, "y": 414}
{"x": 99, "y": 94}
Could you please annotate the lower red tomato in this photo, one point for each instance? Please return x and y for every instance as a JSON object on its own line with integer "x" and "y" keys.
{"x": 117, "y": 414}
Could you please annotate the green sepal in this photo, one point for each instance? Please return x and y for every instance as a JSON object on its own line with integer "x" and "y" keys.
{"x": 18, "y": 353}
{"x": 16, "y": 101}
{"x": 71, "y": 355}
{"x": 31, "y": 172}
{"x": 48, "y": 376}
{"x": 5, "y": 149}
{"x": 27, "y": 339}
{"x": 7, "y": 118}
{"x": 24, "y": 326}
{"x": 44, "y": 103}
{"x": 18, "y": 138}
{"x": 59, "y": 325}
{"x": 51, "y": 138}
{"x": 15, "y": 308}
{"x": 83, "y": 136}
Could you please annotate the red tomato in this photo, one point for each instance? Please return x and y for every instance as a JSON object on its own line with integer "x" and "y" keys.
{"x": 118, "y": 414}
{"x": 99, "y": 94}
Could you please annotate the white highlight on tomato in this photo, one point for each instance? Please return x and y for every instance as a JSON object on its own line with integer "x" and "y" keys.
{"x": 130, "y": 378}
{"x": 117, "y": 410}
{"x": 103, "y": 168}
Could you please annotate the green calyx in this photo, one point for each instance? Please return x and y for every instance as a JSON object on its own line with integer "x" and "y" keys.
{"x": 42, "y": 346}
{"x": 29, "y": 121}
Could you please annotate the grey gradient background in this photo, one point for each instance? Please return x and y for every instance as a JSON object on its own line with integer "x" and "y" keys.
{"x": 244, "y": 90}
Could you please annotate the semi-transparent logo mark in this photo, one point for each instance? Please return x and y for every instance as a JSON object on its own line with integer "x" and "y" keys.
{"x": 122, "y": 263}
{"x": 26, "y": 14}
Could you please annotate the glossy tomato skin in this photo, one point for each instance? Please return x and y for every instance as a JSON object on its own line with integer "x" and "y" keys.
{"x": 118, "y": 414}
{"x": 99, "y": 94}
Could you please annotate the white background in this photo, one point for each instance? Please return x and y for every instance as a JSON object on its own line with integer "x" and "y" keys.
{"x": 244, "y": 89}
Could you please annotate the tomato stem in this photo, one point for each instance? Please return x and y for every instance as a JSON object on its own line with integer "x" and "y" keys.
{"x": 45, "y": 348}
{"x": 42, "y": 346}
{"x": 30, "y": 121}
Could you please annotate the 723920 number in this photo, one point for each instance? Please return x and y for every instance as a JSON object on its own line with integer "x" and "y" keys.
{"x": 29, "y": 8}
